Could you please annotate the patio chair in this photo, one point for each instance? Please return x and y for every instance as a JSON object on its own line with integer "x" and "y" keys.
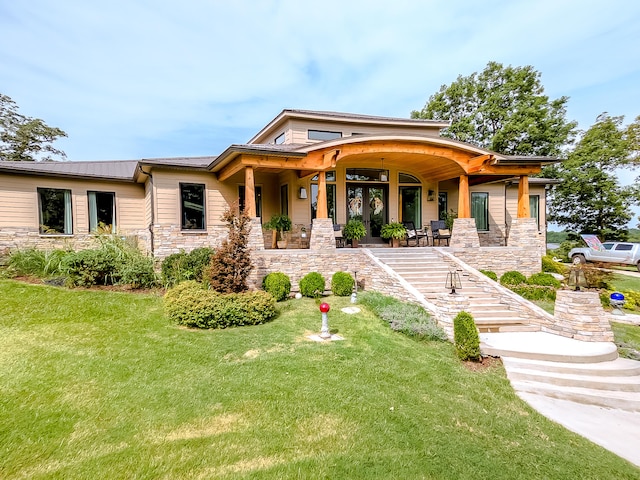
{"x": 440, "y": 232}
{"x": 337, "y": 233}
{"x": 413, "y": 234}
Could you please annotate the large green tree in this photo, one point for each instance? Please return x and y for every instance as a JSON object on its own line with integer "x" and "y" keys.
{"x": 24, "y": 138}
{"x": 589, "y": 198}
{"x": 503, "y": 109}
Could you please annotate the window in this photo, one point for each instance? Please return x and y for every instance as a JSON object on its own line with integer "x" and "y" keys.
{"x": 331, "y": 195}
{"x": 101, "y": 211}
{"x": 480, "y": 210}
{"x": 534, "y": 208}
{"x": 443, "y": 201}
{"x": 323, "y": 135}
{"x": 624, "y": 247}
{"x": 411, "y": 205}
{"x": 284, "y": 199}
{"x": 367, "y": 175}
{"x": 257, "y": 196}
{"x": 279, "y": 139}
{"x": 192, "y": 206}
{"x": 54, "y": 205}
{"x": 406, "y": 178}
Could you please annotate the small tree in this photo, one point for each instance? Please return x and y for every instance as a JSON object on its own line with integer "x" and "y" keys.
{"x": 231, "y": 264}
{"x": 465, "y": 337}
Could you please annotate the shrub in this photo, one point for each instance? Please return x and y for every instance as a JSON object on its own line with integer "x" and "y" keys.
{"x": 191, "y": 305}
{"x": 40, "y": 263}
{"x": 512, "y": 278}
{"x": 231, "y": 264}
{"x": 376, "y": 301}
{"x": 596, "y": 277}
{"x": 342, "y": 284}
{"x": 138, "y": 272}
{"x": 544, "y": 279}
{"x": 490, "y": 274}
{"x": 535, "y": 292}
{"x": 465, "y": 336}
{"x": 182, "y": 266}
{"x": 549, "y": 265}
{"x": 412, "y": 320}
{"x": 90, "y": 267}
{"x": 312, "y": 285}
{"x": 278, "y": 285}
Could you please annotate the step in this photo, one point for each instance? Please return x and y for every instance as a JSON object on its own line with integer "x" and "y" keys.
{"x": 620, "y": 367}
{"x": 516, "y": 327}
{"x": 611, "y": 399}
{"x": 597, "y": 382}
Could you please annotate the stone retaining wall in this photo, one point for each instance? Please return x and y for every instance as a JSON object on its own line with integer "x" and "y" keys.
{"x": 580, "y": 315}
{"x": 501, "y": 259}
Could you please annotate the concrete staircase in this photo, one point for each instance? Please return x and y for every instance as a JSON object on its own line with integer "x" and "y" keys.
{"x": 427, "y": 271}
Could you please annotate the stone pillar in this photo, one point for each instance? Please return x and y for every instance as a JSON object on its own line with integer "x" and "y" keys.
{"x": 580, "y": 315}
{"x": 448, "y": 307}
{"x": 256, "y": 239}
{"x": 322, "y": 236}
{"x": 464, "y": 233}
{"x": 524, "y": 233}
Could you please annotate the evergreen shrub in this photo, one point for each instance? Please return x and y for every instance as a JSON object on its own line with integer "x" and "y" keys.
{"x": 512, "y": 278}
{"x": 182, "y": 266}
{"x": 549, "y": 265}
{"x": 544, "y": 279}
{"x": 465, "y": 337}
{"x": 342, "y": 284}
{"x": 490, "y": 274}
{"x": 277, "y": 284}
{"x": 312, "y": 285}
{"x": 535, "y": 292}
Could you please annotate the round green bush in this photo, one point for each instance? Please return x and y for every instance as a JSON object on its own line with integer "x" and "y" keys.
{"x": 490, "y": 274}
{"x": 544, "y": 279}
{"x": 466, "y": 337}
{"x": 551, "y": 266}
{"x": 342, "y": 284}
{"x": 512, "y": 278}
{"x": 312, "y": 285}
{"x": 182, "y": 266}
{"x": 278, "y": 285}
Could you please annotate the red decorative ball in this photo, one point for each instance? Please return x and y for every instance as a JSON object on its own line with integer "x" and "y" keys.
{"x": 324, "y": 307}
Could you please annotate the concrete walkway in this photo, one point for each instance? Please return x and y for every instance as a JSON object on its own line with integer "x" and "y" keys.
{"x": 580, "y": 385}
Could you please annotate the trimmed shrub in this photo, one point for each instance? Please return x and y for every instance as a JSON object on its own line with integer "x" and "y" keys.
{"x": 490, "y": 274}
{"x": 465, "y": 337}
{"x": 182, "y": 266}
{"x": 535, "y": 292}
{"x": 278, "y": 285}
{"x": 512, "y": 278}
{"x": 191, "y": 305}
{"x": 312, "y": 285}
{"x": 342, "y": 284}
{"x": 544, "y": 279}
{"x": 549, "y": 265}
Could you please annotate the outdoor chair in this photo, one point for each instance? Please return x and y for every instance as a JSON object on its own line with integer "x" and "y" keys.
{"x": 413, "y": 234}
{"x": 337, "y": 233}
{"x": 439, "y": 231}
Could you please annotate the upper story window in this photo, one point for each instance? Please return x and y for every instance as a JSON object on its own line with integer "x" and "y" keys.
{"x": 54, "y": 206}
{"x": 323, "y": 135}
{"x": 367, "y": 175}
{"x": 102, "y": 211}
{"x": 406, "y": 178}
{"x": 192, "y": 206}
{"x": 329, "y": 176}
{"x": 279, "y": 139}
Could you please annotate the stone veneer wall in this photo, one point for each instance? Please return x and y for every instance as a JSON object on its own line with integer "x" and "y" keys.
{"x": 172, "y": 239}
{"x": 501, "y": 259}
{"x": 580, "y": 315}
{"x": 524, "y": 233}
{"x": 464, "y": 233}
{"x": 322, "y": 236}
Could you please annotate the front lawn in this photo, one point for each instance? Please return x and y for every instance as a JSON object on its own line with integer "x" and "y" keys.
{"x": 100, "y": 385}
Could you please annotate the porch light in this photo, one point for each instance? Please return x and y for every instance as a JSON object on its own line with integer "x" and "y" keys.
{"x": 617, "y": 301}
{"x": 302, "y": 193}
{"x": 453, "y": 281}
{"x": 577, "y": 279}
{"x": 383, "y": 175}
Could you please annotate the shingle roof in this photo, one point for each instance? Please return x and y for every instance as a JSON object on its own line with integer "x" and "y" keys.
{"x": 190, "y": 162}
{"x": 109, "y": 170}
{"x": 359, "y": 116}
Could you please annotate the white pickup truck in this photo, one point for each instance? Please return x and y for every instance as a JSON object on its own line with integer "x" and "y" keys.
{"x": 610, "y": 252}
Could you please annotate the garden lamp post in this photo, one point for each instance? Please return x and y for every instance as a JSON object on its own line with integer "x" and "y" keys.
{"x": 453, "y": 281}
{"x": 577, "y": 279}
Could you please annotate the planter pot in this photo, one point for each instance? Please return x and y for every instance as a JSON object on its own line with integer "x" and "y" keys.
{"x": 282, "y": 244}
{"x": 354, "y": 243}
{"x": 395, "y": 243}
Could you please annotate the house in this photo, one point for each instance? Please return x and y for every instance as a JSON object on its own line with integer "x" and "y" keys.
{"x": 320, "y": 168}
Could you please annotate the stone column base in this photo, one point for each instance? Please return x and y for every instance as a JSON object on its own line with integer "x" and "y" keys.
{"x": 448, "y": 307}
{"x": 322, "y": 236}
{"x": 579, "y": 315}
{"x": 464, "y": 233}
{"x": 256, "y": 239}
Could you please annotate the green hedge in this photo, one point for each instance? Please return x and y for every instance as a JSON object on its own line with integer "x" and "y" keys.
{"x": 544, "y": 279}
{"x": 512, "y": 278}
{"x": 277, "y": 284}
{"x": 312, "y": 285}
{"x": 465, "y": 337}
{"x": 191, "y": 305}
{"x": 342, "y": 284}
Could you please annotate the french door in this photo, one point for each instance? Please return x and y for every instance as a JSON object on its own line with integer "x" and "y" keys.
{"x": 368, "y": 203}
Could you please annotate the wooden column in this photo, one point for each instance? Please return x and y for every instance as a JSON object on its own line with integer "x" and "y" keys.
{"x": 249, "y": 192}
{"x": 523, "y": 197}
{"x": 464, "y": 209}
{"x": 321, "y": 207}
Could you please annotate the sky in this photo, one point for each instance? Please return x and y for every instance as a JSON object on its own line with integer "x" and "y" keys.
{"x": 130, "y": 79}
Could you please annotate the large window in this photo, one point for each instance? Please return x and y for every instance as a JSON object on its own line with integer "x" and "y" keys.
{"x": 480, "y": 210}
{"x": 323, "y": 135}
{"x": 410, "y": 199}
{"x": 330, "y": 178}
{"x": 284, "y": 199}
{"x": 102, "y": 211}
{"x": 257, "y": 197}
{"x": 534, "y": 208}
{"x": 54, "y": 205}
{"x": 192, "y": 206}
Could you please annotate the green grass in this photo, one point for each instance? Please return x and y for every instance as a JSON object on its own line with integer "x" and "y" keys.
{"x": 627, "y": 338}
{"x": 621, "y": 281}
{"x": 100, "y": 385}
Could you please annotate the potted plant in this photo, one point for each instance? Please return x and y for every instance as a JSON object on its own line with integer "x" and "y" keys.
{"x": 393, "y": 231}
{"x": 354, "y": 230}
{"x": 278, "y": 223}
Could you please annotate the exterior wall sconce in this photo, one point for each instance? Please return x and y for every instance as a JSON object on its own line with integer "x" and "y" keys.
{"x": 577, "y": 279}
{"x": 302, "y": 193}
{"x": 431, "y": 195}
{"x": 453, "y": 281}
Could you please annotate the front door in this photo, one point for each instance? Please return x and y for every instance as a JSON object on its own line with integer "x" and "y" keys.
{"x": 368, "y": 203}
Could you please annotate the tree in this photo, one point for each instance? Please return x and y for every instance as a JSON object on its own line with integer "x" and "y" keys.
{"x": 24, "y": 138}
{"x": 590, "y": 199}
{"x": 502, "y": 109}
